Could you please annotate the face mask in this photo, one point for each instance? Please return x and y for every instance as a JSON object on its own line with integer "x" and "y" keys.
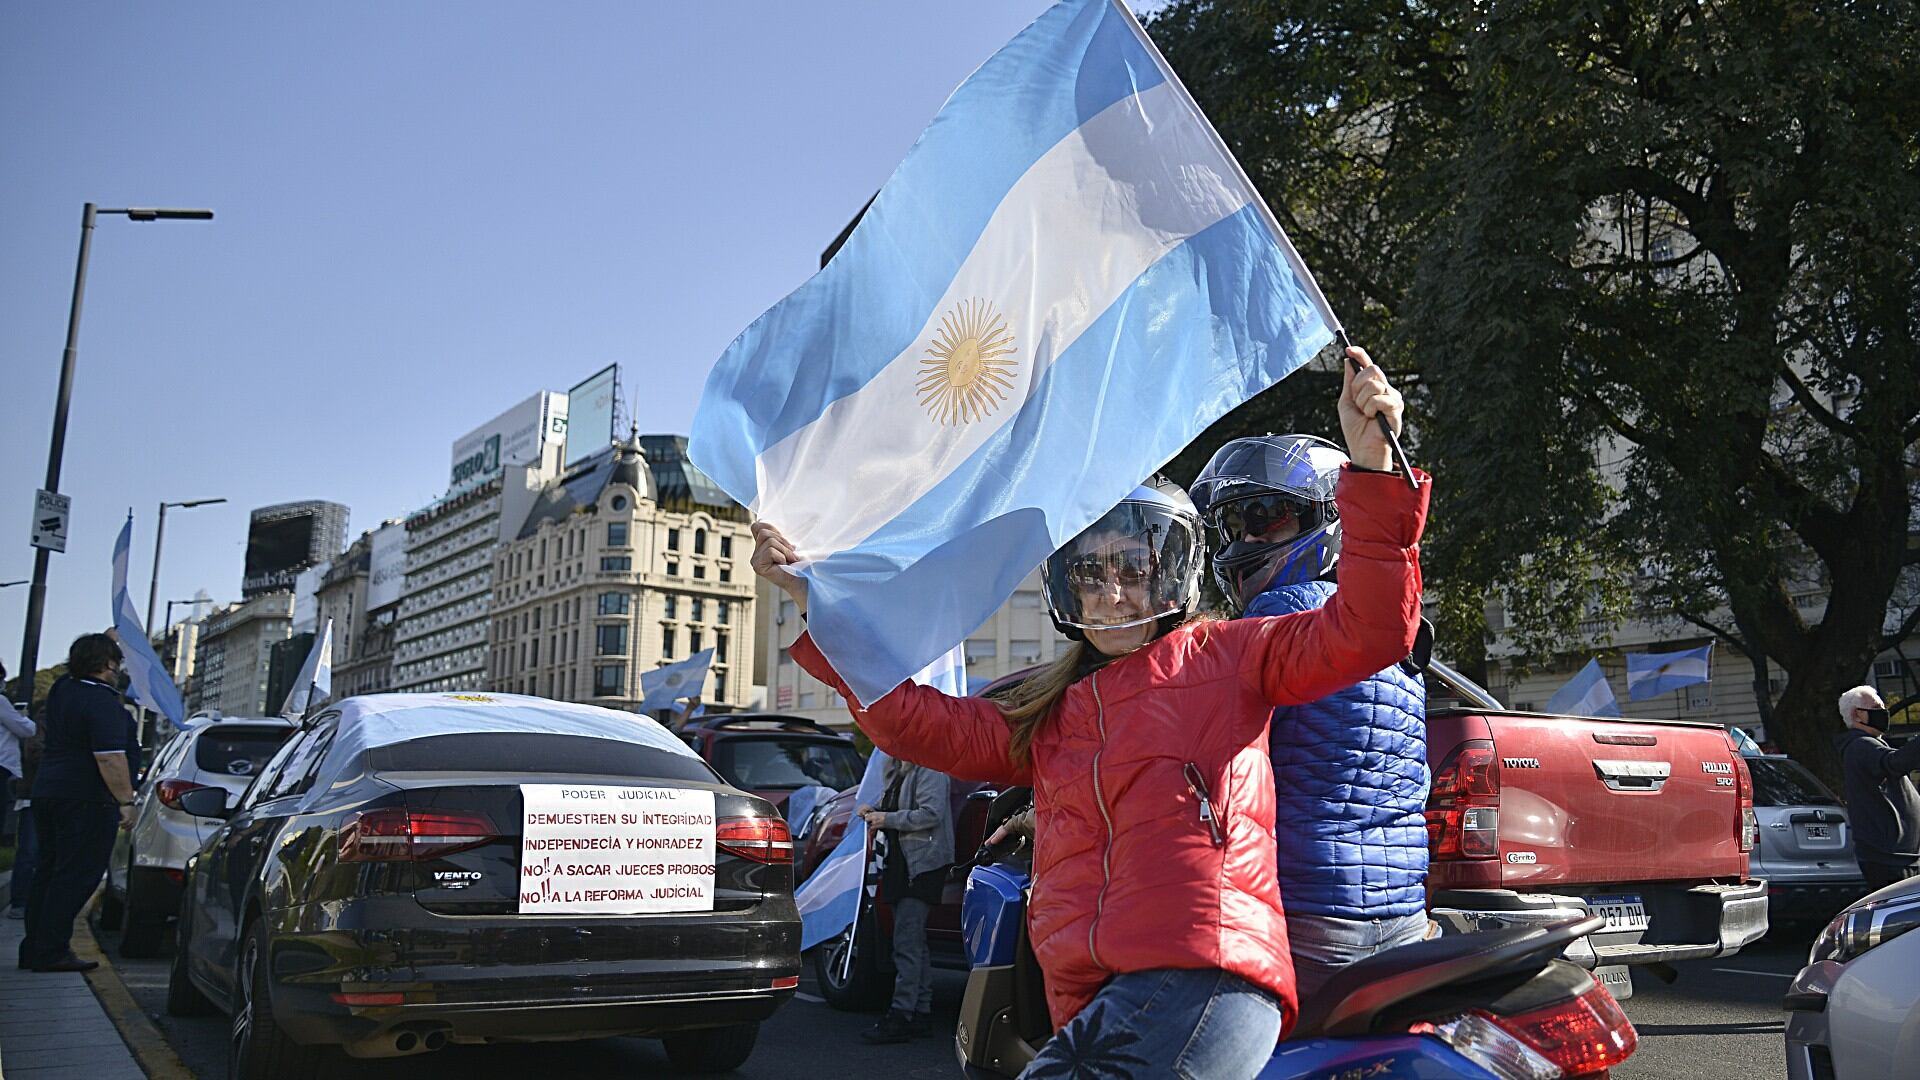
{"x": 1876, "y": 719}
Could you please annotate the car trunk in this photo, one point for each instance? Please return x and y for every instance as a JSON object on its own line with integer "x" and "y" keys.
{"x": 1800, "y": 820}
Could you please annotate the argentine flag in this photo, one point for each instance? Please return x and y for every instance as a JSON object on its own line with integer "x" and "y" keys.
{"x": 1653, "y": 674}
{"x": 830, "y": 897}
{"x": 1065, "y": 281}
{"x": 314, "y": 684}
{"x": 1586, "y": 694}
{"x": 147, "y": 677}
{"x": 662, "y": 687}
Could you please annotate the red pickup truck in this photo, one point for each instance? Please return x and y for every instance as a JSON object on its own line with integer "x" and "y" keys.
{"x": 1532, "y": 818}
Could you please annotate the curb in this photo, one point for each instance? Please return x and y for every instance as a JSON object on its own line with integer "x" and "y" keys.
{"x": 142, "y": 1036}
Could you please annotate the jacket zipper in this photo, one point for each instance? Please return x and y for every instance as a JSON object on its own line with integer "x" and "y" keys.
{"x": 1198, "y": 785}
{"x": 1099, "y": 798}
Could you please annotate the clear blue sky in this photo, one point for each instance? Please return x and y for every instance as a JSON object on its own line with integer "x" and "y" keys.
{"x": 426, "y": 212}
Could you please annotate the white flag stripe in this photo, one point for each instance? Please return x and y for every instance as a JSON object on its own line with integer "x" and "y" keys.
{"x": 1683, "y": 667}
{"x": 1597, "y": 697}
{"x": 1104, "y": 188}
{"x": 832, "y": 878}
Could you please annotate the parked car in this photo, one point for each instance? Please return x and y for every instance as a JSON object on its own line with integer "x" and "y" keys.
{"x": 1853, "y": 1013}
{"x": 1805, "y": 852}
{"x": 365, "y": 895}
{"x": 1535, "y": 818}
{"x": 773, "y": 755}
{"x": 148, "y": 866}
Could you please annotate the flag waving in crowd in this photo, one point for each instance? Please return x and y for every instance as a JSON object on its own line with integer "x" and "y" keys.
{"x": 150, "y": 684}
{"x": 662, "y": 687}
{"x": 1065, "y": 281}
{"x": 1653, "y": 674}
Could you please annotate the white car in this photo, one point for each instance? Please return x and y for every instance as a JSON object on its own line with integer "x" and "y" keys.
{"x": 1853, "y": 1013}
{"x": 148, "y": 867}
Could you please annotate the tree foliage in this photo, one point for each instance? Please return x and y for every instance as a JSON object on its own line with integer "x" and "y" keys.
{"x": 1651, "y": 270}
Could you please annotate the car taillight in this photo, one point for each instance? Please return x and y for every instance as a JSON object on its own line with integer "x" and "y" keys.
{"x": 401, "y": 834}
{"x": 764, "y": 840}
{"x": 1743, "y": 788}
{"x": 1583, "y": 1037}
{"x": 169, "y": 791}
{"x": 1463, "y": 811}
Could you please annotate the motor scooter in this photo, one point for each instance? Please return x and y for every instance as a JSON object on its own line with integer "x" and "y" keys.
{"x": 1500, "y": 1005}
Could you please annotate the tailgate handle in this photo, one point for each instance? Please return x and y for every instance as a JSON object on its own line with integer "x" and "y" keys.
{"x": 1633, "y": 775}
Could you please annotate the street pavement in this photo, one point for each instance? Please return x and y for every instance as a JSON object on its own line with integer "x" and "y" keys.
{"x": 1720, "y": 1021}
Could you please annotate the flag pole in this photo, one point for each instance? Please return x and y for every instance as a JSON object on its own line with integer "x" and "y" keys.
{"x": 1299, "y": 265}
{"x": 859, "y": 904}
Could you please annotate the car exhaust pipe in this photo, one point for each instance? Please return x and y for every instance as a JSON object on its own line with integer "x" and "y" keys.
{"x": 400, "y": 1042}
{"x": 434, "y": 1040}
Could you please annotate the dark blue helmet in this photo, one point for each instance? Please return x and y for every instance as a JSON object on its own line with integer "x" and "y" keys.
{"x": 1269, "y": 502}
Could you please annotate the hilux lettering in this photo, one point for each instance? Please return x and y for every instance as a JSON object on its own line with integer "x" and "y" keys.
{"x": 1716, "y": 767}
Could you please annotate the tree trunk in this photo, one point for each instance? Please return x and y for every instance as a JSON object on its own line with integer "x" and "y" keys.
{"x": 1807, "y": 718}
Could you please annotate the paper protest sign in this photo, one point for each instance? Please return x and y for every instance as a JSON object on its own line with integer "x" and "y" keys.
{"x": 593, "y": 850}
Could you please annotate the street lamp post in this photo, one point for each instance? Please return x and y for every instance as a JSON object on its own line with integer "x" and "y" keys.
{"x": 159, "y": 534}
{"x": 56, "y": 449}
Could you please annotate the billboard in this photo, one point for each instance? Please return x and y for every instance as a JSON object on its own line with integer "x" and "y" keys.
{"x": 515, "y": 437}
{"x": 387, "y": 568}
{"x": 284, "y": 539}
{"x": 592, "y": 405}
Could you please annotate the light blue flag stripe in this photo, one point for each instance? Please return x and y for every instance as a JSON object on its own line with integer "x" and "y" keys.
{"x": 1082, "y": 453}
{"x": 662, "y": 686}
{"x": 871, "y": 301}
{"x": 1653, "y": 674}
{"x": 1586, "y": 694}
{"x": 147, "y": 677}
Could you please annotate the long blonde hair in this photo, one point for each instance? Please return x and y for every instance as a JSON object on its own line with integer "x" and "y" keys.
{"x": 1028, "y": 705}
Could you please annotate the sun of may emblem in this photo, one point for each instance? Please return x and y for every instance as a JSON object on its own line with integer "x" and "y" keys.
{"x": 968, "y": 369}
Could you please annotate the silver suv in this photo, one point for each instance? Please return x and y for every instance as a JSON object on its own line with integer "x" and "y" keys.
{"x": 148, "y": 867}
{"x": 1805, "y": 851}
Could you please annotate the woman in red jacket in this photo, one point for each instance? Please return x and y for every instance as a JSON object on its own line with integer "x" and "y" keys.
{"x": 1156, "y": 913}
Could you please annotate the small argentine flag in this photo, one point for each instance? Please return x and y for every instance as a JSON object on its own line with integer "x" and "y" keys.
{"x": 830, "y": 897}
{"x": 662, "y": 687}
{"x": 1653, "y": 674}
{"x": 1066, "y": 280}
{"x": 1586, "y": 694}
{"x": 147, "y": 677}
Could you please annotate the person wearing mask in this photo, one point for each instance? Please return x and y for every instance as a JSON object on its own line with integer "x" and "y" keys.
{"x": 1882, "y": 805}
{"x": 916, "y": 816}
{"x": 15, "y": 729}
{"x": 82, "y": 793}
{"x": 1349, "y": 770}
{"x": 1155, "y": 915}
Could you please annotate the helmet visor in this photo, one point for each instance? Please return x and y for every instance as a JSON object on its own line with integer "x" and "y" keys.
{"x": 1262, "y": 519}
{"x": 1136, "y": 564}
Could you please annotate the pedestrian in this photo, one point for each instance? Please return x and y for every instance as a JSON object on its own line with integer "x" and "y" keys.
{"x": 916, "y": 816}
{"x": 1882, "y": 805}
{"x": 26, "y": 848}
{"x": 14, "y": 728}
{"x": 1155, "y": 914}
{"x": 82, "y": 793}
{"x": 1350, "y": 772}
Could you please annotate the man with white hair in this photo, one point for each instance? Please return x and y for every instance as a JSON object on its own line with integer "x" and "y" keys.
{"x": 1882, "y": 805}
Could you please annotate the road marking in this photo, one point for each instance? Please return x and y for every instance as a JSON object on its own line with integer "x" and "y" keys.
{"x": 1746, "y": 971}
{"x": 809, "y": 997}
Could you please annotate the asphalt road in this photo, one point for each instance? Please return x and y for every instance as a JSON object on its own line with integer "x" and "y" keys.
{"x": 1720, "y": 1020}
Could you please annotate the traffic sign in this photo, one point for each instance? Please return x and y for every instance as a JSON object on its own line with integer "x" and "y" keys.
{"x": 50, "y": 512}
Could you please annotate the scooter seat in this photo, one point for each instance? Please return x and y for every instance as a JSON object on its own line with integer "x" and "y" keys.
{"x": 1352, "y": 1000}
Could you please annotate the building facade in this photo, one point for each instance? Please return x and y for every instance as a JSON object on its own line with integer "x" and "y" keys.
{"x": 235, "y": 654}
{"x": 631, "y": 561}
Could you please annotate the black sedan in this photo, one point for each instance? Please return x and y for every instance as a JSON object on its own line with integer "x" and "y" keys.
{"x": 413, "y": 870}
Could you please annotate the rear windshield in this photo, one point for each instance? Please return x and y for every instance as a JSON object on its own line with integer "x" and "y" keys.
{"x": 771, "y": 762}
{"x": 517, "y": 752}
{"x": 1786, "y": 783}
{"x": 237, "y": 751}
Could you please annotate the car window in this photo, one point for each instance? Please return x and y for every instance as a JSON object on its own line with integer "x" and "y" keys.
{"x": 772, "y": 762}
{"x": 237, "y": 751}
{"x": 1786, "y": 783}
{"x": 297, "y": 770}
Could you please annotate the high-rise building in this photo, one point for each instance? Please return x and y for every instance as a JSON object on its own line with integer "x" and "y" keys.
{"x": 286, "y": 538}
{"x": 235, "y": 655}
{"x": 632, "y": 560}
{"x": 441, "y": 629}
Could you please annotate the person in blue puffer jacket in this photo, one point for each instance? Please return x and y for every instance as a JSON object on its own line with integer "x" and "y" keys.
{"x": 1350, "y": 770}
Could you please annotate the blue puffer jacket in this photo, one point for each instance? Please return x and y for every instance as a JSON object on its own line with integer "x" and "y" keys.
{"x": 1350, "y": 785}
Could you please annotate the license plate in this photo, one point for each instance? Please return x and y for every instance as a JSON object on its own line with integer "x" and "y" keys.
{"x": 1817, "y": 832}
{"x": 1624, "y": 912}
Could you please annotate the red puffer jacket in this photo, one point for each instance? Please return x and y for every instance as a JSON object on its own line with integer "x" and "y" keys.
{"x": 1127, "y": 876}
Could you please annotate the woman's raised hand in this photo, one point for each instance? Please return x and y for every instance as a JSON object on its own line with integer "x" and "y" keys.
{"x": 772, "y": 555}
{"x": 1364, "y": 395}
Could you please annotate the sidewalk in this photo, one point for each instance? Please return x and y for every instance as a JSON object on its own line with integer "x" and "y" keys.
{"x": 52, "y": 1025}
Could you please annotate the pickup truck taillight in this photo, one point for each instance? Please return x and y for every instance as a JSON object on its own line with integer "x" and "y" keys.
{"x": 1743, "y": 786}
{"x": 1463, "y": 811}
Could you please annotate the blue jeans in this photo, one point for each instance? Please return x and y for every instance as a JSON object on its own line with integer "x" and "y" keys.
{"x": 1322, "y": 944}
{"x": 1196, "y": 1025}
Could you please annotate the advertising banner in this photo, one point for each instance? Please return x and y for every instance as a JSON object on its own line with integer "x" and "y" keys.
{"x": 515, "y": 437}
{"x": 590, "y": 416}
{"x": 387, "y": 567}
{"x": 594, "y": 850}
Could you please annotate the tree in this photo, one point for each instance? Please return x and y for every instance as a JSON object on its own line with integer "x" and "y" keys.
{"x": 1659, "y": 264}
